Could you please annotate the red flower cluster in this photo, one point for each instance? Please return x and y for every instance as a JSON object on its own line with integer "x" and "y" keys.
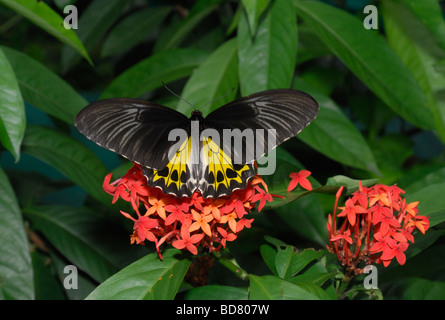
{"x": 377, "y": 226}
{"x": 186, "y": 223}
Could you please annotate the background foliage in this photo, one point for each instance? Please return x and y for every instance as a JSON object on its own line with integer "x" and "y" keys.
{"x": 382, "y": 115}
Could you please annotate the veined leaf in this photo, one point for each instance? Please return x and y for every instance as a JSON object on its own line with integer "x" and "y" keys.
{"x": 429, "y": 12}
{"x": 133, "y": 29}
{"x": 418, "y": 49}
{"x": 267, "y": 60}
{"x": 43, "y": 88}
{"x": 91, "y": 243}
{"x": 39, "y": 13}
{"x": 15, "y": 261}
{"x": 334, "y": 135}
{"x": 147, "y": 75}
{"x": 200, "y": 10}
{"x": 274, "y": 288}
{"x": 68, "y": 156}
{"x": 94, "y": 22}
{"x": 149, "y": 278}
{"x": 12, "y": 109}
{"x": 254, "y": 9}
{"x": 367, "y": 55}
{"x": 214, "y": 78}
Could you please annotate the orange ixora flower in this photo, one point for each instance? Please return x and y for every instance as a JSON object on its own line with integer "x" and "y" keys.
{"x": 185, "y": 223}
{"x": 376, "y": 226}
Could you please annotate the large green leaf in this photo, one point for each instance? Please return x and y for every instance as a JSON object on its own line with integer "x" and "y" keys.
{"x": 39, "y": 13}
{"x": 68, "y": 156}
{"x": 15, "y": 261}
{"x": 217, "y": 292}
{"x": 91, "y": 243}
{"x": 149, "y": 73}
{"x": 93, "y": 24}
{"x": 175, "y": 36}
{"x": 254, "y": 9}
{"x": 288, "y": 263}
{"x": 431, "y": 15}
{"x": 133, "y": 29}
{"x": 274, "y": 288}
{"x": 149, "y": 278}
{"x": 12, "y": 109}
{"x": 214, "y": 78}
{"x": 418, "y": 49}
{"x": 367, "y": 55}
{"x": 334, "y": 135}
{"x": 267, "y": 60}
{"x": 431, "y": 202}
{"x": 43, "y": 88}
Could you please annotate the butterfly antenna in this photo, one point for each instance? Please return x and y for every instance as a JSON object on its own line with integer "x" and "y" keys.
{"x": 216, "y": 99}
{"x": 165, "y": 86}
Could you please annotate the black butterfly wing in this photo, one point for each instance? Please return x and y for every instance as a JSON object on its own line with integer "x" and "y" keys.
{"x": 284, "y": 110}
{"x": 135, "y": 129}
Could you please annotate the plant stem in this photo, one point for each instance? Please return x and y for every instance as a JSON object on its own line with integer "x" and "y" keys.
{"x": 232, "y": 265}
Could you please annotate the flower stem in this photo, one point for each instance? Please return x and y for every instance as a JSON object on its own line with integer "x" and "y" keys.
{"x": 232, "y": 265}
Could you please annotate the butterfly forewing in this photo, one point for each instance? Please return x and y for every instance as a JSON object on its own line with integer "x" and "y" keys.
{"x": 281, "y": 113}
{"x": 135, "y": 129}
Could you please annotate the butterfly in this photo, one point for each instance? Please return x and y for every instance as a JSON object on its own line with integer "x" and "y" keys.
{"x": 139, "y": 131}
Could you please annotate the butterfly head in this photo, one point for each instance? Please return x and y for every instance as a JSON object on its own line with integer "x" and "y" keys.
{"x": 196, "y": 115}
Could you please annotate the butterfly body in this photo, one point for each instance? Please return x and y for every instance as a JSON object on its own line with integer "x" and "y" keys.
{"x": 198, "y": 158}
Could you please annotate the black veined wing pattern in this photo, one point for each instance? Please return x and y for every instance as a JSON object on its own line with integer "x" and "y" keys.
{"x": 139, "y": 130}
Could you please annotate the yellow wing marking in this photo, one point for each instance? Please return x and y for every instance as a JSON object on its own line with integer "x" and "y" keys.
{"x": 219, "y": 162}
{"x": 176, "y": 167}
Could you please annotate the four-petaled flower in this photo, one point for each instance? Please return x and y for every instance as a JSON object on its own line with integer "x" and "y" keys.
{"x": 299, "y": 178}
{"x": 351, "y": 210}
{"x": 187, "y": 241}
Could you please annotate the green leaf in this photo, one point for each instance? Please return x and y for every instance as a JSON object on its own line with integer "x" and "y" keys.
{"x": 370, "y": 58}
{"x": 254, "y": 9}
{"x": 418, "y": 49}
{"x": 47, "y": 286}
{"x": 93, "y": 24}
{"x": 91, "y": 243}
{"x": 43, "y": 88}
{"x": 217, "y": 292}
{"x": 214, "y": 78}
{"x": 16, "y": 275}
{"x": 12, "y": 109}
{"x": 199, "y": 11}
{"x": 307, "y": 217}
{"x": 268, "y": 254}
{"x": 149, "y": 278}
{"x": 418, "y": 289}
{"x": 431, "y": 15}
{"x": 334, "y": 135}
{"x": 147, "y": 75}
{"x": 133, "y": 29}
{"x": 39, "y": 13}
{"x": 350, "y": 185}
{"x": 68, "y": 156}
{"x": 289, "y": 263}
{"x": 274, "y": 288}
{"x": 267, "y": 60}
{"x": 431, "y": 202}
